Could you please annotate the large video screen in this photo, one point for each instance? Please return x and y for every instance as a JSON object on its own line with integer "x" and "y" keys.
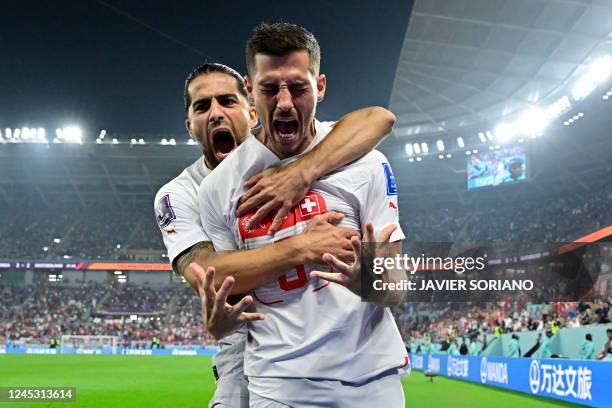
{"x": 503, "y": 166}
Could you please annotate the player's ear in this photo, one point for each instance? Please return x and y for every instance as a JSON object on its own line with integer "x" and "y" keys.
{"x": 321, "y": 86}
{"x": 252, "y": 117}
{"x": 249, "y": 87}
{"x": 188, "y": 127}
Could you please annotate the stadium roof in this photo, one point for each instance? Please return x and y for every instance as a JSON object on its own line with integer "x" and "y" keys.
{"x": 469, "y": 62}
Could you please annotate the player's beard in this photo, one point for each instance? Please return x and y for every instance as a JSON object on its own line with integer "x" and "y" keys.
{"x": 210, "y": 158}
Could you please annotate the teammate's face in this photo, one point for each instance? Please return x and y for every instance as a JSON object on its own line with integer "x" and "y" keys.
{"x": 219, "y": 116}
{"x": 516, "y": 171}
{"x": 285, "y": 94}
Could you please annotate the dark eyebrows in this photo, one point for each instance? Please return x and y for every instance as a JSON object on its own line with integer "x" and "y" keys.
{"x": 208, "y": 101}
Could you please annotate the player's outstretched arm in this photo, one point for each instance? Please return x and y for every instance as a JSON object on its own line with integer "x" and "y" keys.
{"x": 220, "y": 318}
{"x": 282, "y": 188}
{"x": 350, "y": 275}
{"x": 253, "y": 268}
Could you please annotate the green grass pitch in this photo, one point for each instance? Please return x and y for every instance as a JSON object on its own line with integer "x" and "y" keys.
{"x": 183, "y": 381}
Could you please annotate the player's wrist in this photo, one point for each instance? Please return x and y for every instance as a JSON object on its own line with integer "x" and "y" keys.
{"x": 307, "y": 171}
{"x": 296, "y": 248}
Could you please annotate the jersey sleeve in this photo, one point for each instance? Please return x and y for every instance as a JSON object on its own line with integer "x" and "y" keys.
{"x": 379, "y": 200}
{"x": 212, "y": 217}
{"x": 178, "y": 218}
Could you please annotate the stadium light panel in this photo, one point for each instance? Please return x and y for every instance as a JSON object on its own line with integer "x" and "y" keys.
{"x": 521, "y": 140}
{"x": 118, "y": 273}
{"x": 408, "y": 149}
{"x": 57, "y": 240}
{"x": 133, "y": 141}
{"x": 172, "y": 142}
{"x": 440, "y": 156}
{"x": 17, "y": 134}
{"x": 475, "y": 151}
{"x": 98, "y": 141}
{"x": 491, "y": 147}
{"x": 557, "y": 108}
{"x": 497, "y": 146}
{"x": 417, "y": 148}
{"x": 8, "y": 133}
{"x": 192, "y": 142}
{"x": 41, "y": 133}
{"x": 141, "y": 141}
{"x": 419, "y": 159}
{"x": 424, "y": 147}
{"x": 448, "y": 155}
{"x": 45, "y": 249}
{"x": 489, "y": 135}
{"x": 102, "y": 134}
{"x": 580, "y": 114}
{"x": 482, "y": 137}
{"x": 583, "y": 88}
{"x": 67, "y": 256}
{"x": 532, "y": 121}
{"x": 115, "y": 141}
{"x": 118, "y": 246}
{"x": 71, "y": 134}
{"x": 601, "y": 68}
{"x": 440, "y": 145}
{"x": 460, "y": 142}
{"x": 504, "y": 132}
{"x": 25, "y": 133}
{"x": 468, "y": 152}
{"x": 411, "y": 160}
{"x": 605, "y": 97}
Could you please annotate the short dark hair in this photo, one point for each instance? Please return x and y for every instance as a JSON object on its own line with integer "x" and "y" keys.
{"x": 589, "y": 336}
{"x": 609, "y": 331}
{"x": 279, "y": 39}
{"x": 209, "y": 68}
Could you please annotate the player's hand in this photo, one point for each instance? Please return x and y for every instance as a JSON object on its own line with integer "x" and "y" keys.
{"x": 278, "y": 189}
{"x": 323, "y": 236}
{"x": 221, "y": 318}
{"x": 350, "y": 275}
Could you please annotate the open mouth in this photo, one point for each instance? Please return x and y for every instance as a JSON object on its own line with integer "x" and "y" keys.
{"x": 222, "y": 143}
{"x": 286, "y": 130}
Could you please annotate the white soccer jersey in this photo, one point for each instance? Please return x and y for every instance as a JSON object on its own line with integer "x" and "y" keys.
{"x": 312, "y": 329}
{"x": 177, "y": 211}
{"x": 178, "y": 216}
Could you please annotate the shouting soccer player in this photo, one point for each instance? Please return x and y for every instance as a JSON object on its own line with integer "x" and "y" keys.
{"x": 319, "y": 344}
{"x": 219, "y": 118}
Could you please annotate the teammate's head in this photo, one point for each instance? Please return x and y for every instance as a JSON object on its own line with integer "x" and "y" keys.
{"x": 589, "y": 337}
{"x": 609, "y": 333}
{"x": 285, "y": 85}
{"x": 516, "y": 168}
{"x": 219, "y": 116}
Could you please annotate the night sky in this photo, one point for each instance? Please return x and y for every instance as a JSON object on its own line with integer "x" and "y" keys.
{"x": 121, "y": 65}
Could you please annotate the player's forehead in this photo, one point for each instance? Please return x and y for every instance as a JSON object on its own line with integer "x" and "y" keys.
{"x": 211, "y": 85}
{"x": 293, "y": 67}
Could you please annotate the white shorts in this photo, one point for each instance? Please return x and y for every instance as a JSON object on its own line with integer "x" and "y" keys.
{"x": 228, "y": 364}
{"x": 384, "y": 390}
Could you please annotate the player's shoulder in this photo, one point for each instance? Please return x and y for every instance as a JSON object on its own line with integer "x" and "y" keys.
{"x": 185, "y": 185}
{"x": 371, "y": 159}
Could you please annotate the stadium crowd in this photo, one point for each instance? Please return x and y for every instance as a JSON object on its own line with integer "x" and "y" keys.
{"x": 40, "y": 313}
{"x": 456, "y": 322}
{"x": 558, "y": 220}
{"x": 112, "y": 235}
